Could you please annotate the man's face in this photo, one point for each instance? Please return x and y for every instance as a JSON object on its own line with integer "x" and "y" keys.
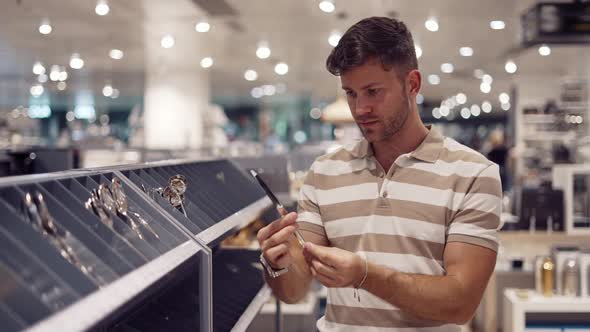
{"x": 377, "y": 98}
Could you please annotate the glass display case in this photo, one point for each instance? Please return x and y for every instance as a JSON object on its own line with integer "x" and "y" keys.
{"x": 130, "y": 248}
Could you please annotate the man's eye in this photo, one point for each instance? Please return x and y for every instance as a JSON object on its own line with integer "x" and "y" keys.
{"x": 372, "y": 92}
{"x": 350, "y": 94}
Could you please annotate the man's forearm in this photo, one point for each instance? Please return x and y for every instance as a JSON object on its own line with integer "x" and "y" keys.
{"x": 439, "y": 298}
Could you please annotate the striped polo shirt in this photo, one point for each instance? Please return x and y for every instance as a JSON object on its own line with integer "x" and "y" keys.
{"x": 401, "y": 218}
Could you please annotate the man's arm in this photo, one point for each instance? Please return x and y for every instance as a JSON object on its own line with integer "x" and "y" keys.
{"x": 451, "y": 298}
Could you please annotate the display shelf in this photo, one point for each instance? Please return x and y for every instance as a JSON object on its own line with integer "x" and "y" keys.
{"x": 94, "y": 308}
{"x": 135, "y": 275}
{"x": 519, "y": 303}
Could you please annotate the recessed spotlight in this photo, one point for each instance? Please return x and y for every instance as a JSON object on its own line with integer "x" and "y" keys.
{"x": 334, "y": 38}
{"x": 257, "y": 92}
{"x": 167, "y": 41}
{"x": 107, "y": 90}
{"x": 263, "y": 51}
{"x": 497, "y": 25}
{"x": 466, "y": 51}
{"x": 76, "y": 62}
{"x": 206, "y": 62}
{"x": 485, "y": 87}
{"x": 42, "y": 78}
{"x": 478, "y": 73}
{"x": 327, "y": 6}
{"x": 54, "y": 74}
{"x": 434, "y": 79}
{"x": 202, "y": 26}
{"x": 38, "y": 68}
{"x": 504, "y": 98}
{"x": 281, "y": 68}
{"x": 475, "y": 110}
{"x": 61, "y": 86}
{"x": 418, "y": 51}
{"x": 431, "y": 24}
{"x": 465, "y": 113}
{"x": 45, "y": 27}
{"x": 37, "y": 90}
{"x": 544, "y": 50}
{"x": 486, "y": 107}
{"x": 510, "y": 67}
{"x": 505, "y": 106}
{"x": 250, "y": 75}
{"x": 461, "y": 98}
{"x": 102, "y": 8}
{"x": 436, "y": 113}
{"x": 116, "y": 54}
{"x": 419, "y": 99}
{"x": 447, "y": 68}
{"x": 444, "y": 110}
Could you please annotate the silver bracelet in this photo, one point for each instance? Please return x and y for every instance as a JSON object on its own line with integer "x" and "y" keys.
{"x": 356, "y": 288}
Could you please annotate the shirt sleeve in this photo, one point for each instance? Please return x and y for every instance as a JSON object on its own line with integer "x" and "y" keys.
{"x": 308, "y": 211}
{"x": 478, "y": 217}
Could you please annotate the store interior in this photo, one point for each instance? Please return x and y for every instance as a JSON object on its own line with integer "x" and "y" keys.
{"x": 128, "y": 130}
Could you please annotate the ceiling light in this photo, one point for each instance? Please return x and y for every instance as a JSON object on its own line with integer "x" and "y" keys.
{"x": 419, "y": 99}
{"x": 250, "y": 75}
{"x": 202, "y": 26}
{"x": 436, "y": 113}
{"x": 70, "y": 116}
{"x": 327, "y": 6}
{"x": 487, "y": 79}
{"x": 263, "y": 51}
{"x": 466, "y": 51}
{"x": 447, "y": 68}
{"x": 37, "y": 90}
{"x": 102, "y": 8}
{"x": 334, "y": 38}
{"x": 504, "y": 98}
{"x": 257, "y": 92}
{"x": 475, "y": 110}
{"x": 107, "y": 91}
{"x": 76, "y": 62}
{"x": 444, "y": 110}
{"x": 206, "y": 62}
{"x": 116, "y": 54}
{"x": 505, "y": 106}
{"x": 63, "y": 74}
{"x": 497, "y": 25}
{"x": 465, "y": 113}
{"x": 544, "y": 50}
{"x": 478, "y": 73}
{"x": 167, "y": 41}
{"x": 315, "y": 113}
{"x": 418, "y": 51}
{"x": 281, "y": 68}
{"x": 510, "y": 67}
{"x": 45, "y": 27}
{"x": 486, "y": 107}
{"x": 54, "y": 74}
{"x": 115, "y": 94}
{"x": 434, "y": 79}
{"x": 431, "y": 24}
{"x": 42, "y": 78}
{"x": 461, "y": 98}
{"x": 269, "y": 90}
{"x": 485, "y": 87}
{"x": 61, "y": 86}
{"x": 38, "y": 68}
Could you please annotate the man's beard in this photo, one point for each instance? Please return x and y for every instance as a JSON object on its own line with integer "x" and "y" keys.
{"x": 392, "y": 125}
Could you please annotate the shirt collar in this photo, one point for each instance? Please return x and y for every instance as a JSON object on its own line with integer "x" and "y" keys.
{"x": 428, "y": 151}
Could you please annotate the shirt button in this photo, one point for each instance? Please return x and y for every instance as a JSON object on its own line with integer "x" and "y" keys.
{"x": 384, "y": 194}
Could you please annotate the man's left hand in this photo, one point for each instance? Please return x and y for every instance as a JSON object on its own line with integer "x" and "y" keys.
{"x": 334, "y": 267}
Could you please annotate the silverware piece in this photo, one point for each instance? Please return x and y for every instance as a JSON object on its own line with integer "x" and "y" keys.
{"x": 123, "y": 205}
{"x": 106, "y": 196}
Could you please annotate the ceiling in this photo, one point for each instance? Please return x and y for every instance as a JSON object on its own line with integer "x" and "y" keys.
{"x": 297, "y": 32}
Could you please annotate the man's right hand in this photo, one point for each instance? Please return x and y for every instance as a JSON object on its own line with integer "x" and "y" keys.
{"x": 274, "y": 241}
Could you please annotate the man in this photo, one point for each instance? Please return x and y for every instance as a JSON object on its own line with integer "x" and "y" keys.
{"x": 400, "y": 227}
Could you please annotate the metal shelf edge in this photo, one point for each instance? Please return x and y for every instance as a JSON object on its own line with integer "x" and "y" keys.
{"x": 237, "y": 220}
{"x": 88, "y": 311}
{"x": 253, "y": 308}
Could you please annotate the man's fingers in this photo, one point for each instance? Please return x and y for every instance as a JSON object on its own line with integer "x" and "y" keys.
{"x": 276, "y": 226}
{"x": 321, "y": 253}
{"x": 324, "y": 280}
{"x": 279, "y": 237}
{"x": 273, "y": 254}
{"x": 322, "y": 268}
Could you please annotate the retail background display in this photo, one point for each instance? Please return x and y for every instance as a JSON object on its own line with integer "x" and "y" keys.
{"x": 89, "y": 249}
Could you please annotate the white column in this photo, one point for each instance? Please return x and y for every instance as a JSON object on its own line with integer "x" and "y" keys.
{"x": 174, "y": 103}
{"x": 177, "y": 89}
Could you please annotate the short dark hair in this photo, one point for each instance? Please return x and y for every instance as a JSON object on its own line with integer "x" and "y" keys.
{"x": 384, "y": 38}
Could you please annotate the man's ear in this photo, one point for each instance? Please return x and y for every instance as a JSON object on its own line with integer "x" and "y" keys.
{"x": 414, "y": 81}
